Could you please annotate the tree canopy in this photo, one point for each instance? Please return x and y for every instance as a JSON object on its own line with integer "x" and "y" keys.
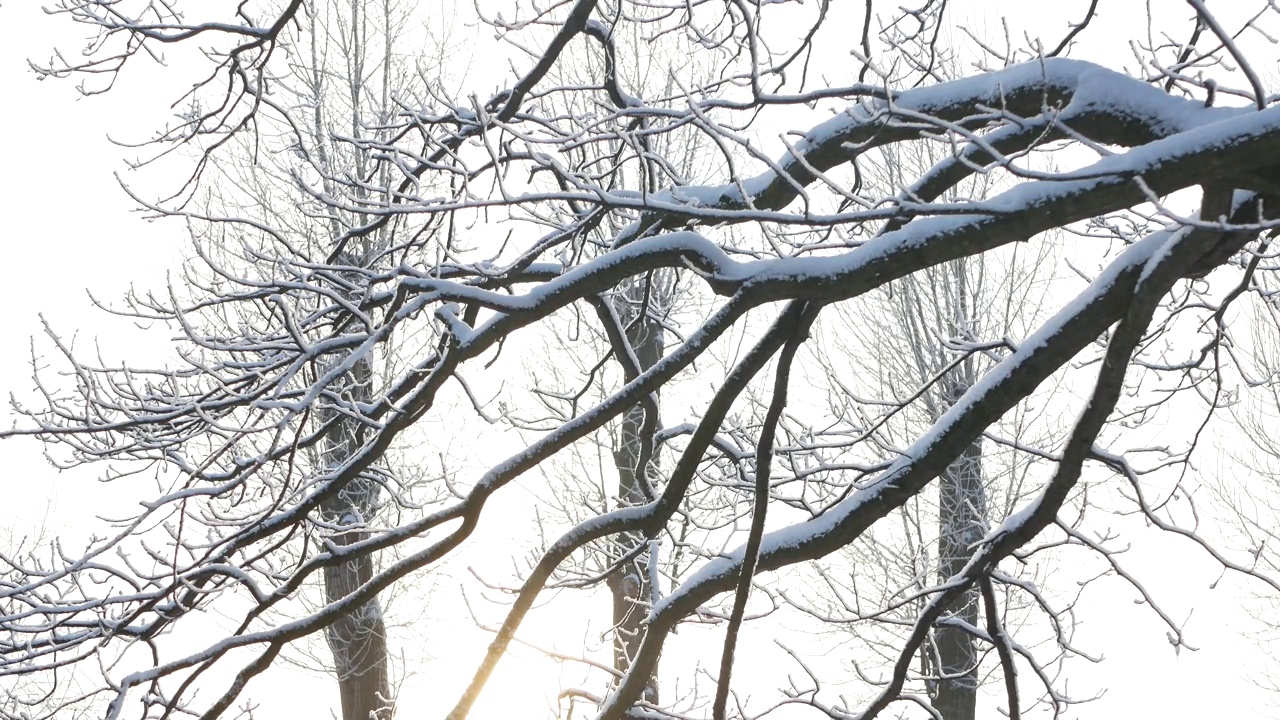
{"x": 671, "y": 234}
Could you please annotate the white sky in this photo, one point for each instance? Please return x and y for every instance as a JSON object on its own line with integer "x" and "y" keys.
{"x": 68, "y": 229}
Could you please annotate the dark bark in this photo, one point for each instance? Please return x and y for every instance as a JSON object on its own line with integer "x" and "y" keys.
{"x": 358, "y": 642}
{"x": 358, "y": 639}
{"x": 630, "y": 584}
{"x": 942, "y": 306}
{"x": 961, "y": 514}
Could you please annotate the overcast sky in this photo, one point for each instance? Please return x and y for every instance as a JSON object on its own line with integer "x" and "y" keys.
{"x": 69, "y": 229}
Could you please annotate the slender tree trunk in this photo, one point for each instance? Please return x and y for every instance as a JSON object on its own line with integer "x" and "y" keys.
{"x": 945, "y": 308}
{"x": 357, "y": 640}
{"x": 961, "y": 518}
{"x": 630, "y": 584}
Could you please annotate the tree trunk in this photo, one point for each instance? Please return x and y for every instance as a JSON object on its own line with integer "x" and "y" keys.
{"x": 960, "y": 525}
{"x": 357, "y": 640}
{"x": 961, "y": 521}
{"x": 962, "y": 509}
{"x": 630, "y": 584}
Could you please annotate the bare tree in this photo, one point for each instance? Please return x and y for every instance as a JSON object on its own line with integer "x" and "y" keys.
{"x": 358, "y": 640}
{"x": 637, "y": 319}
{"x": 931, "y": 335}
{"x": 271, "y": 435}
{"x": 1247, "y": 494}
{"x": 343, "y": 75}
